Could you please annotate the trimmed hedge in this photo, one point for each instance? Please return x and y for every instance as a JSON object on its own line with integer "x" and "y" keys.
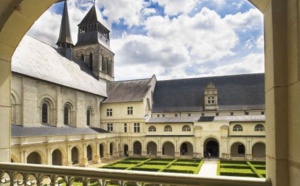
{"x": 254, "y": 170}
{"x": 120, "y": 168}
{"x": 238, "y": 174}
{"x": 145, "y": 169}
{"x": 178, "y": 171}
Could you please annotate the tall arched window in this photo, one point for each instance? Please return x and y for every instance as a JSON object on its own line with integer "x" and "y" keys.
{"x": 168, "y": 128}
{"x": 45, "y": 113}
{"x": 88, "y": 117}
{"x": 67, "y": 114}
{"x": 237, "y": 128}
{"x": 91, "y": 61}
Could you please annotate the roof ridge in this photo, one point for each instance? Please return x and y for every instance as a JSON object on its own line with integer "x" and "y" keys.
{"x": 206, "y": 77}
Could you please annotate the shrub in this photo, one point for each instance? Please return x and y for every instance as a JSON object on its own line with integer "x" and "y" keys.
{"x": 179, "y": 171}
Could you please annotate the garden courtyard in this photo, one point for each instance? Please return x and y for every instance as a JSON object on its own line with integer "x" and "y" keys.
{"x": 202, "y": 167}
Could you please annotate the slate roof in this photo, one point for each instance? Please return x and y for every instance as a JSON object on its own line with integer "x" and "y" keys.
{"x": 39, "y": 60}
{"x": 235, "y": 92}
{"x": 20, "y": 131}
{"x": 65, "y": 31}
{"x": 127, "y": 91}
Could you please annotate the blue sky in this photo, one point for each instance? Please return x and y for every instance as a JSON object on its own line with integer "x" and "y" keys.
{"x": 171, "y": 38}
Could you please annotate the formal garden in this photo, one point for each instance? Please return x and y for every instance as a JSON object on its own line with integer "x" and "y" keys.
{"x": 190, "y": 166}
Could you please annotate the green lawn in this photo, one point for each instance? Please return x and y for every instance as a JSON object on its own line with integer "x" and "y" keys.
{"x": 158, "y": 165}
{"x": 242, "y": 168}
{"x": 190, "y": 166}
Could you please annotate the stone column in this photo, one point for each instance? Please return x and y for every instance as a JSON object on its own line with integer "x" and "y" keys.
{"x": 5, "y": 107}
{"x": 276, "y": 89}
{"x": 69, "y": 156}
{"x": 96, "y": 158}
{"x": 49, "y": 156}
{"x": 84, "y": 160}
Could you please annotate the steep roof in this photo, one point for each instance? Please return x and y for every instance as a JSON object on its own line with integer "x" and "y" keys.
{"x": 65, "y": 31}
{"x": 235, "y": 92}
{"x": 93, "y": 17}
{"x": 127, "y": 91}
{"x": 20, "y": 131}
{"x": 39, "y": 60}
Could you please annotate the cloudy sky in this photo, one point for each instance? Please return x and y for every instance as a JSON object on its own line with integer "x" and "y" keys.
{"x": 171, "y": 38}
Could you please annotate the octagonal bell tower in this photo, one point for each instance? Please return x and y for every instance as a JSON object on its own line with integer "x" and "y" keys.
{"x": 93, "y": 46}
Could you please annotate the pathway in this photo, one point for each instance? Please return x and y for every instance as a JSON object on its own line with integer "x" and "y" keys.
{"x": 209, "y": 168}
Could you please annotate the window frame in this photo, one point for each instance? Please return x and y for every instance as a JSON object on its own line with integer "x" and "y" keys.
{"x": 136, "y": 128}
{"x": 186, "y": 128}
{"x": 130, "y": 110}
{"x": 237, "y": 128}
{"x": 109, "y": 112}
{"x": 152, "y": 129}
{"x": 259, "y": 128}
{"x": 168, "y": 128}
{"x": 110, "y": 127}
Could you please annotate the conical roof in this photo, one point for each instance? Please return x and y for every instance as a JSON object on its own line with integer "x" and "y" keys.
{"x": 65, "y": 31}
{"x": 91, "y": 17}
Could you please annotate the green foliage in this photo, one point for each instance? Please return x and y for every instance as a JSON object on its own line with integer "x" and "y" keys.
{"x": 254, "y": 170}
{"x": 179, "y": 171}
{"x": 145, "y": 169}
{"x": 218, "y": 168}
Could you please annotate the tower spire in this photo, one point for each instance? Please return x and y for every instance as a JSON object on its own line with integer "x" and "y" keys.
{"x": 65, "y": 40}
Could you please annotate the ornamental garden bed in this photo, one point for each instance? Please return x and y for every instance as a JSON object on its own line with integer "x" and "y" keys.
{"x": 242, "y": 168}
{"x": 186, "y": 166}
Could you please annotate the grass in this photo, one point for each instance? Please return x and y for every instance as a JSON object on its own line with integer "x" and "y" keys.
{"x": 191, "y": 166}
{"x": 242, "y": 168}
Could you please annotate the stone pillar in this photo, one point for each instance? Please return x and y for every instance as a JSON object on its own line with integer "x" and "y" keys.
{"x": 49, "y": 156}
{"x": 144, "y": 148}
{"x": 84, "y": 160}
{"x": 177, "y": 148}
{"x": 23, "y": 156}
{"x": 159, "y": 148}
{"x": 5, "y": 107}
{"x": 276, "y": 90}
{"x": 96, "y": 158}
{"x": 69, "y": 156}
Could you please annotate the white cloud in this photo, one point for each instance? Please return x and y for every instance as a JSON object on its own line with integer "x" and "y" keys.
{"x": 175, "y": 7}
{"x": 250, "y": 20}
{"x": 127, "y": 10}
{"x": 171, "y": 47}
{"x": 260, "y": 42}
{"x": 252, "y": 63}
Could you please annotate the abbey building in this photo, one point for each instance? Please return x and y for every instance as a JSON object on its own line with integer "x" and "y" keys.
{"x": 68, "y": 110}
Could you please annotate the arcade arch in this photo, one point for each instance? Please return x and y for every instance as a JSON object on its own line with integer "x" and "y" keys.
{"x": 211, "y": 148}
{"x": 152, "y": 148}
{"x": 238, "y": 150}
{"x": 168, "y": 149}
{"x": 57, "y": 158}
{"x": 259, "y": 150}
{"x": 34, "y": 158}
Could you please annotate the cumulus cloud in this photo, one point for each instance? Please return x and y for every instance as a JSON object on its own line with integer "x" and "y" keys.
{"x": 127, "y": 10}
{"x": 185, "y": 45}
{"x": 175, "y": 7}
{"x": 249, "y": 20}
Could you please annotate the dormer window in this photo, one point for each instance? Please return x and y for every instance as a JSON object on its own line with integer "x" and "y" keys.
{"x": 211, "y": 97}
{"x": 211, "y": 100}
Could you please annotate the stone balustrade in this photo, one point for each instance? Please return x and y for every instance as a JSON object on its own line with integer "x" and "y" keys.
{"x": 29, "y": 175}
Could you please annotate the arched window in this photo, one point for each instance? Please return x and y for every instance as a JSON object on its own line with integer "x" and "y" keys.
{"x": 67, "y": 114}
{"x": 259, "y": 127}
{"x": 91, "y": 61}
{"x": 237, "y": 128}
{"x": 186, "y": 128}
{"x": 168, "y": 128}
{"x": 152, "y": 129}
{"x": 82, "y": 57}
{"x": 45, "y": 113}
{"x": 88, "y": 117}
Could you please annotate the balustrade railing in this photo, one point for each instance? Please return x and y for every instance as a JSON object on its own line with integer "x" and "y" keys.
{"x": 43, "y": 175}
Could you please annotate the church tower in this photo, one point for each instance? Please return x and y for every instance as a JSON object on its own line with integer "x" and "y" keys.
{"x": 93, "y": 46}
{"x": 64, "y": 42}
